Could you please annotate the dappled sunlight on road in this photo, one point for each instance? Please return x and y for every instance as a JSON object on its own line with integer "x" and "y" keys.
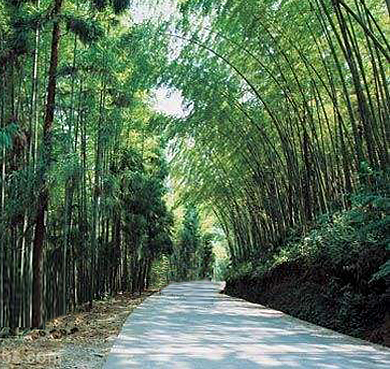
{"x": 191, "y": 325}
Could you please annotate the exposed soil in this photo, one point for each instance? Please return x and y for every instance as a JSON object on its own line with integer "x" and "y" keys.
{"x": 314, "y": 295}
{"x": 77, "y": 340}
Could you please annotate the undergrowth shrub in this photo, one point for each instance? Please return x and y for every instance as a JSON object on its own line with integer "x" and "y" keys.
{"x": 351, "y": 245}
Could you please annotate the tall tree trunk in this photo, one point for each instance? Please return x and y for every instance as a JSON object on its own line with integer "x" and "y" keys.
{"x": 43, "y": 197}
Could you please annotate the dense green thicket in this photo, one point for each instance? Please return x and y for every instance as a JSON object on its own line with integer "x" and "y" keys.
{"x": 82, "y": 178}
{"x": 351, "y": 243}
{"x": 193, "y": 257}
{"x": 206, "y": 257}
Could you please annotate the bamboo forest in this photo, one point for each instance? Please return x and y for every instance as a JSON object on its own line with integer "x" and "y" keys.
{"x": 151, "y": 142}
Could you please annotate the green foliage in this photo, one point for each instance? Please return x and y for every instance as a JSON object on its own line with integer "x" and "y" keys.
{"x": 87, "y": 30}
{"x": 147, "y": 220}
{"x": 189, "y": 240}
{"x": 6, "y": 135}
{"x": 95, "y": 163}
{"x": 350, "y": 245}
{"x": 99, "y": 4}
{"x": 160, "y": 272}
{"x": 221, "y": 268}
{"x": 193, "y": 256}
{"x": 205, "y": 256}
{"x": 384, "y": 270}
{"x": 119, "y": 6}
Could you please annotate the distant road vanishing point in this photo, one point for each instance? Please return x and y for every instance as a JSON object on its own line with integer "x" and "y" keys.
{"x": 191, "y": 325}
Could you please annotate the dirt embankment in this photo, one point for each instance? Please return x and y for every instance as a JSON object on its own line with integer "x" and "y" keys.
{"x": 318, "y": 296}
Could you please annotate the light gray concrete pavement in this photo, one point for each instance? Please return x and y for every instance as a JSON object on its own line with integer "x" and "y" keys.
{"x": 191, "y": 325}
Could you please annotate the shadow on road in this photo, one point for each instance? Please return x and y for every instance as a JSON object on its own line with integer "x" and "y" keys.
{"x": 191, "y": 325}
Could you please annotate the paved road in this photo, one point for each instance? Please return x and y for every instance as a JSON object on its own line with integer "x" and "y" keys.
{"x": 190, "y": 325}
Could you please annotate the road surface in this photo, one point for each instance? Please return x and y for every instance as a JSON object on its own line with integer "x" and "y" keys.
{"x": 191, "y": 325}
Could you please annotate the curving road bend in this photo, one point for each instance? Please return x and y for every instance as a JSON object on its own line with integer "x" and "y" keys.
{"x": 190, "y": 325}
